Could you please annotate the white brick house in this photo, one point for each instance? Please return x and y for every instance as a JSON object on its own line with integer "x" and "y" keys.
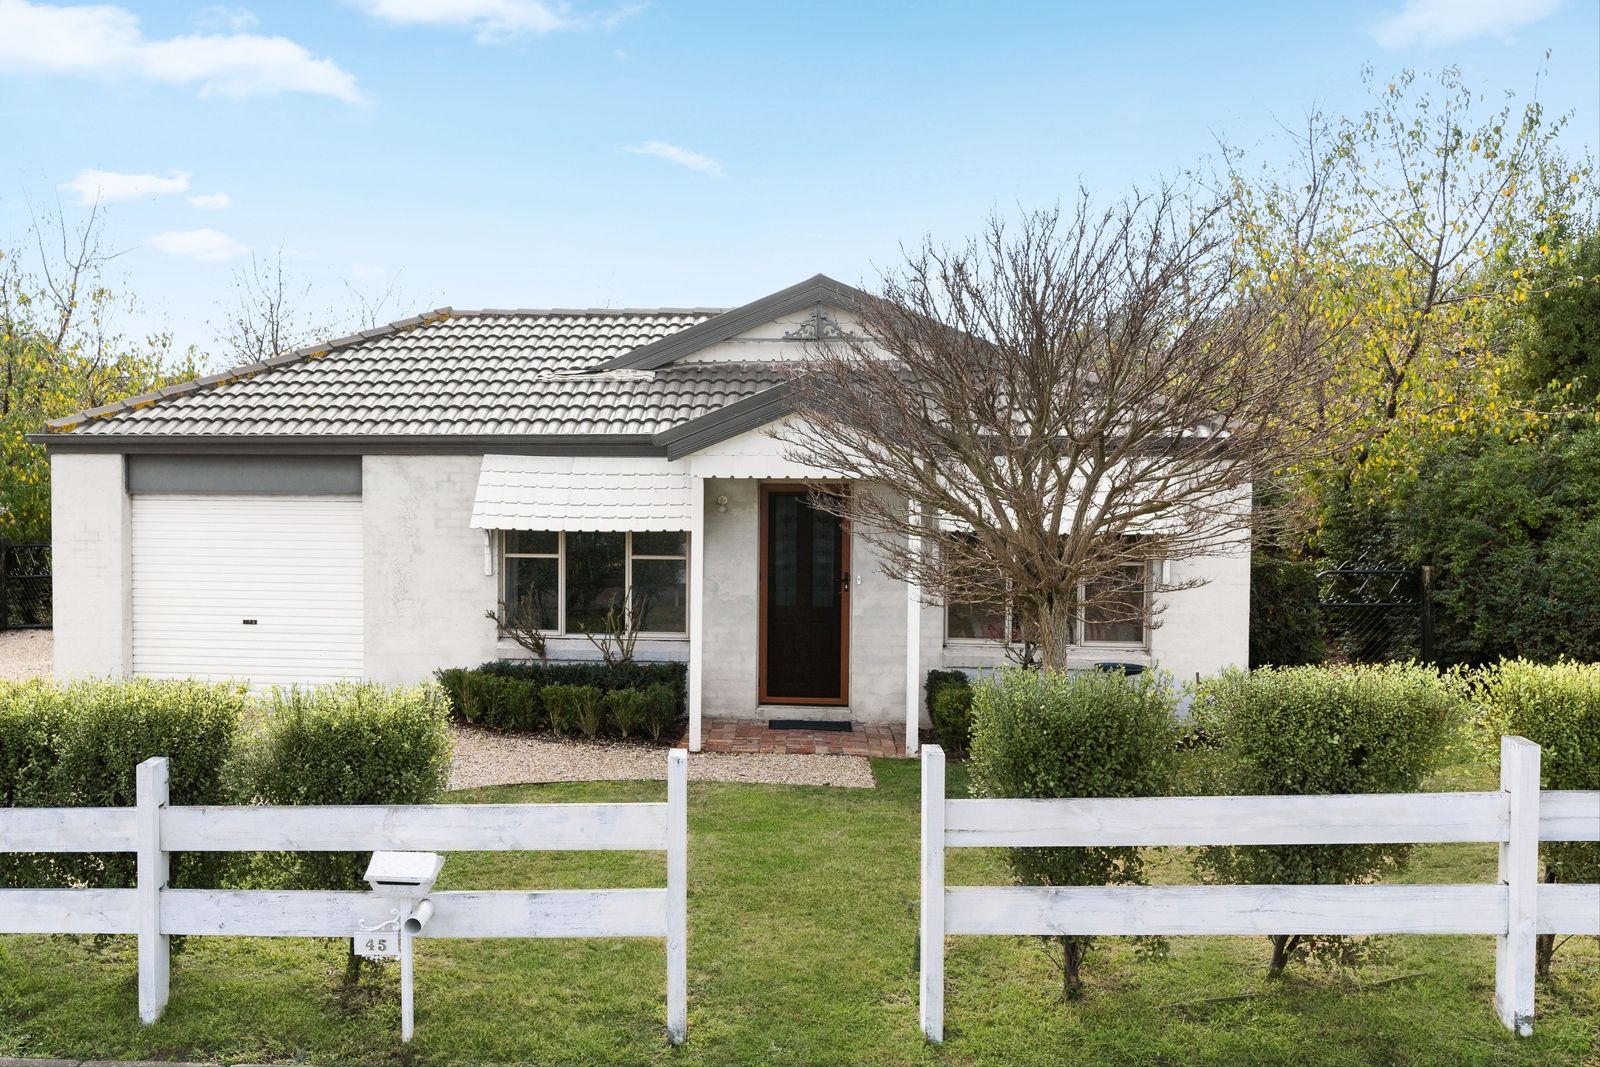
{"x": 353, "y": 509}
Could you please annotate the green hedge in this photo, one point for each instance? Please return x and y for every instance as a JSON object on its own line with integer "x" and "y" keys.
{"x": 1556, "y": 706}
{"x": 1314, "y": 730}
{"x": 348, "y": 743}
{"x": 950, "y": 710}
{"x": 1285, "y": 621}
{"x": 1043, "y": 733}
{"x": 510, "y": 694}
{"x": 77, "y": 745}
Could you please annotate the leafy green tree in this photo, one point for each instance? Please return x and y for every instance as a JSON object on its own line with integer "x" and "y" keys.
{"x": 1424, "y": 224}
{"x": 60, "y": 352}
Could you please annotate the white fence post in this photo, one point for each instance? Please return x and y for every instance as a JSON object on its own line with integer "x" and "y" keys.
{"x": 155, "y": 954}
{"x": 1519, "y": 873}
{"x": 677, "y": 894}
{"x": 932, "y": 954}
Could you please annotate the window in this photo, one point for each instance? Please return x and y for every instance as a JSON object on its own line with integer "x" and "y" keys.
{"x": 1115, "y": 608}
{"x": 1118, "y": 617}
{"x": 570, "y": 580}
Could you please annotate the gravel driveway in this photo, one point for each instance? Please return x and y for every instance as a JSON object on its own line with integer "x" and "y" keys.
{"x": 485, "y": 757}
{"x": 25, "y": 654}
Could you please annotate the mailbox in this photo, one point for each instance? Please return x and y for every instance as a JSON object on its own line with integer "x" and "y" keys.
{"x": 403, "y": 874}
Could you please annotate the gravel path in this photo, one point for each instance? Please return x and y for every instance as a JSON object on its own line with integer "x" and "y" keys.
{"x": 25, "y": 654}
{"x": 484, "y": 757}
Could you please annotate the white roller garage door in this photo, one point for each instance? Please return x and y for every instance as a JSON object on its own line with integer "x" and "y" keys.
{"x": 266, "y": 588}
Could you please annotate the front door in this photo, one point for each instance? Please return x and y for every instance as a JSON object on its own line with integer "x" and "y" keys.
{"x": 805, "y": 600}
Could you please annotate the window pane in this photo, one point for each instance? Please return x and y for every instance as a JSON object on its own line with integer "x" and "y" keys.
{"x": 661, "y": 594}
{"x": 656, "y": 543}
{"x": 984, "y": 621}
{"x": 596, "y": 574}
{"x": 1115, "y": 608}
{"x": 532, "y": 541}
{"x": 531, "y": 590}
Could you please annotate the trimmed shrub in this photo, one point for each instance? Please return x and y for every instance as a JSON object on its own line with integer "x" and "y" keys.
{"x": 660, "y": 709}
{"x": 626, "y": 708}
{"x": 453, "y": 681}
{"x": 1314, "y": 730}
{"x": 574, "y": 708}
{"x": 950, "y": 708}
{"x": 599, "y": 675}
{"x": 78, "y": 744}
{"x": 1046, "y": 733}
{"x": 503, "y": 703}
{"x": 1557, "y": 707}
{"x": 349, "y": 743}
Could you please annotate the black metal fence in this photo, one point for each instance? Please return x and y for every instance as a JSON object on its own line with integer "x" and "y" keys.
{"x": 1376, "y": 614}
{"x": 24, "y": 586}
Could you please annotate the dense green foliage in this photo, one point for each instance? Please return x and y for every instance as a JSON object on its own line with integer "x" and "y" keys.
{"x": 1314, "y": 730}
{"x": 348, "y": 743}
{"x": 511, "y": 695}
{"x": 1557, "y": 707}
{"x": 574, "y": 708}
{"x": 77, "y": 745}
{"x": 1057, "y": 734}
{"x": 1285, "y": 627}
{"x": 950, "y": 710}
{"x": 1513, "y": 531}
{"x": 1561, "y": 352}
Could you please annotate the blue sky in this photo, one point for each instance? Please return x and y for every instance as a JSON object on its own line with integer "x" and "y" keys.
{"x": 518, "y": 153}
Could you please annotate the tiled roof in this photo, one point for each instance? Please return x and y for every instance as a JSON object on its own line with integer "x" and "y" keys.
{"x": 450, "y": 373}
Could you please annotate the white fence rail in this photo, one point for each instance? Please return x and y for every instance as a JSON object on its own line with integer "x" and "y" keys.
{"x": 1517, "y": 817}
{"x": 155, "y": 912}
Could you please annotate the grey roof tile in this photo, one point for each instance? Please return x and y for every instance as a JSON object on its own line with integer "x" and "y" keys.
{"x": 509, "y": 372}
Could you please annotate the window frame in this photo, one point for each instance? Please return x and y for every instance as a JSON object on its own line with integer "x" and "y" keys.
{"x": 1080, "y": 623}
{"x": 560, "y": 556}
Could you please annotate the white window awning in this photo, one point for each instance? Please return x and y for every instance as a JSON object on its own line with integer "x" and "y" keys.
{"x": 582, "y": 493}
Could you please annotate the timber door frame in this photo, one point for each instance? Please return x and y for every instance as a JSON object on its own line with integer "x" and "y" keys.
{"x": 762, "y": 696}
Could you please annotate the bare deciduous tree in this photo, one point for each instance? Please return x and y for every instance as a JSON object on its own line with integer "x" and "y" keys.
{"x": 270, "y": 313}
{"x": 1062, "y": 403}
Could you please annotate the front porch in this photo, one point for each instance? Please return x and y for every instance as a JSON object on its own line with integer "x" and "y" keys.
{"x": 876, "y": 739}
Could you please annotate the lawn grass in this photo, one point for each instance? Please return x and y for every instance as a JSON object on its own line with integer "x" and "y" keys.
{"x": 802, "y": 915}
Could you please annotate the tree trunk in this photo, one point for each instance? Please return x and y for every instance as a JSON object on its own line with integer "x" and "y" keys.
{"x": 1544, "y": 945}
{"x": 1072, "y": 950}
{"x": 352, "y": 971}
{"x": 1282, "y": 946}
{"x": 1053, "y": 623}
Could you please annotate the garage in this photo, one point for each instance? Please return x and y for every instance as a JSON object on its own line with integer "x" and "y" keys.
{"x": 264, "y": 586}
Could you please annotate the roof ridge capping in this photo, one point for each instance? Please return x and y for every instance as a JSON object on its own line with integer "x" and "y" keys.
{"x": 68, "y": 423}
{"x": 657, "y": 354}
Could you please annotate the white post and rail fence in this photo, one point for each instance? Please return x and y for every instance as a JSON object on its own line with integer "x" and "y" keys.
{"x": 1514, "y": 909}
{"x": 155, "y": 912}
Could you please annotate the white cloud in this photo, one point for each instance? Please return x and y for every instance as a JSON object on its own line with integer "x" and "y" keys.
{"x": 223, "y": 17}
{"x": 211, "y": 201}
{"x": 1440, "y": 23}
{"x": 107, "y": 186}
{"x": 683, "y": 157}
{"x": 105, "y": 41}
{"x": 491, "y": 19}
{"x": 203, "y": 244}
{"x": 495, "y": 20}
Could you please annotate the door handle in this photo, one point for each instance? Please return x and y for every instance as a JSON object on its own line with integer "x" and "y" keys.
{"x": 845, "y": 588}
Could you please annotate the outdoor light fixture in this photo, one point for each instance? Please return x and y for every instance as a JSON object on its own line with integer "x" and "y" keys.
{"x": 722, "y": 504}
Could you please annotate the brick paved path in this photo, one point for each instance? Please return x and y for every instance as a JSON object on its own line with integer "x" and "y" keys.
{"x": 750, "y": 735}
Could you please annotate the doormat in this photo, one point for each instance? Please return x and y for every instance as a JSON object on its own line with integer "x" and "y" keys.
{"x": 810, "y": 724}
